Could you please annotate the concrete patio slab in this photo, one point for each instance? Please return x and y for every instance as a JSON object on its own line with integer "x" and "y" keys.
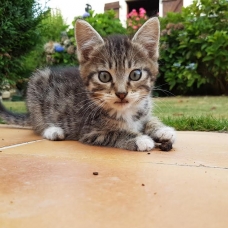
{"x": 51, "y": 184}
{"x": 9, "y": 137}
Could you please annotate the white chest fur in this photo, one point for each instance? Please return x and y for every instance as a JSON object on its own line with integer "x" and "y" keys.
{"x": 131, "y": 123}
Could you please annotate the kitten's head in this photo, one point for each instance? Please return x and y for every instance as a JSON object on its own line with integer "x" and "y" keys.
{"x": 118, "y": 71}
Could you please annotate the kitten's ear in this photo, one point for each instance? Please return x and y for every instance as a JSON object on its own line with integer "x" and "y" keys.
{"x": 87, "y": 38}
{"x": 148, "y": 36}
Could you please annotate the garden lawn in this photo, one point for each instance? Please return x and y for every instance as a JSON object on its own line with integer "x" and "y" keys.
{"x": 183, "y": 113}
{"x": 193, "y": 113}
{"x": 16, "y": 106}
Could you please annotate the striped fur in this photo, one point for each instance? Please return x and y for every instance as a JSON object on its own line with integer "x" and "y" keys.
{"x": 72, "y": 103}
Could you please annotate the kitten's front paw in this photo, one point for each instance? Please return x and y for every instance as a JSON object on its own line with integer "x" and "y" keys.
{"x": 54, "y": 133}
{"x": 144, "y": 143}
{"x": 165, "y": 134}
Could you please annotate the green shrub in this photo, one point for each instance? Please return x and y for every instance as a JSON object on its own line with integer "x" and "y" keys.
{"x": 106, "y": 23}
{"x": 50, "y": 29}
{"x": 194, "y": 48}
{"x": 19, "y": 33}
{"x": 52, "y": 25}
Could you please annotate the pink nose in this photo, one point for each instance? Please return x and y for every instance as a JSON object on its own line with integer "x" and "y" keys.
{"x": 121, "y": 95}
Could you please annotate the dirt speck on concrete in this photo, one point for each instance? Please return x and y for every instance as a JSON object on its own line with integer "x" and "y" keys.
{"x": 166, "y": 146}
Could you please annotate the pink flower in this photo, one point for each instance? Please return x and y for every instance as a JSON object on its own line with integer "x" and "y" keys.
{"x": 129, "y": 23}
{"x": 136, "y": 17}
{"x": 134, "y": 13}
{"x": 135, "y": 27}
{"x": 129, "y": 15}
{"x": 142, "y": 11}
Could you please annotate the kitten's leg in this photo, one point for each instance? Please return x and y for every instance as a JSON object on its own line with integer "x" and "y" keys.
{"x": 160, "y": 132}
{"x": 119, "y": 139}
{"x": 54, "y": 133}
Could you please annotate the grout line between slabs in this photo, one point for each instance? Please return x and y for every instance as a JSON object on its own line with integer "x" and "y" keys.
{"x": 188, "y": 165}
{"x": 20, "y": 144}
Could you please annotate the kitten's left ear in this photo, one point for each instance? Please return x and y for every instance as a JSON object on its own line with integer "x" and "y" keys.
{"x": 87, "y": 39}
{"x": 148, "y": 36}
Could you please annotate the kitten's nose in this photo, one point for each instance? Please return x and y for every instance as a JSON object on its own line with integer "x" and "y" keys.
{"x": 121, "y": 95}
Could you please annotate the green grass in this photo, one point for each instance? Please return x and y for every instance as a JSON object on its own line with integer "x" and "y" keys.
{"x": 192, "y": 106}
{"x": 200, "y": 123}
{"x": 18, "y": 106}
{"x": 193, "y": 113}
{"x": 183, "y": 113}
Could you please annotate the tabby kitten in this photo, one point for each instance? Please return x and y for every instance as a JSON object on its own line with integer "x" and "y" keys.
{"x": 107, "y": 101}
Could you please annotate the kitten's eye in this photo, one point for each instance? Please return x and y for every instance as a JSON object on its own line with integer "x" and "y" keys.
{"x": 135, "y": 75}
{"x": 104, "y": 76}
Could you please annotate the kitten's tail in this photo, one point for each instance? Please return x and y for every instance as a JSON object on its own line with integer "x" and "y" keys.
{"x": 14, "y": 118}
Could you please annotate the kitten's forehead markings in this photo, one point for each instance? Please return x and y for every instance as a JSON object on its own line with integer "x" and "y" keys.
{"x": 129, "y": 63}
{"x": 110, "y": 64}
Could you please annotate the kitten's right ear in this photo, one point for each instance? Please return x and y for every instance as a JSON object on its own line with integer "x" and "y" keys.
{"x": 87, "y": 38}
{"x": 148, "y": 36}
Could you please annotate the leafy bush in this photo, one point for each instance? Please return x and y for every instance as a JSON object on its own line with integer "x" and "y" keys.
{"x": 194, "y": 48}
{"x": 106, "y": 23}
{"x": 51, "y": 27}
{"x": 19, "y": 34}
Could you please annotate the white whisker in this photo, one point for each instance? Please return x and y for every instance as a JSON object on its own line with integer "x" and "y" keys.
{"x": 165, "y": 92}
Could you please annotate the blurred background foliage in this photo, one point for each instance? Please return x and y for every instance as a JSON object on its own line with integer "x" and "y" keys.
{"x": 194, "y": 49}
{"x": 19, "y": 34}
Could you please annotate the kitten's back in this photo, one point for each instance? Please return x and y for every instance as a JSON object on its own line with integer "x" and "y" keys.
{"x": 53, "y": 96}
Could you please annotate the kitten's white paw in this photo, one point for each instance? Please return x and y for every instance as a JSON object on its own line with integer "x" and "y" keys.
{"x": 54, "y": 133}
{"x": 144, "y": 143}
{"x": 166, "y": 134}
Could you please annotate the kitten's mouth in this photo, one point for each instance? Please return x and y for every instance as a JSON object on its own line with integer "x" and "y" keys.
{"x": 121, "y": 102}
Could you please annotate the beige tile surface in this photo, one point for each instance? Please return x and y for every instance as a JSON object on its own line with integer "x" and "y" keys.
{"x": 51, "y": 184}
{"x": 11, "y": 136}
